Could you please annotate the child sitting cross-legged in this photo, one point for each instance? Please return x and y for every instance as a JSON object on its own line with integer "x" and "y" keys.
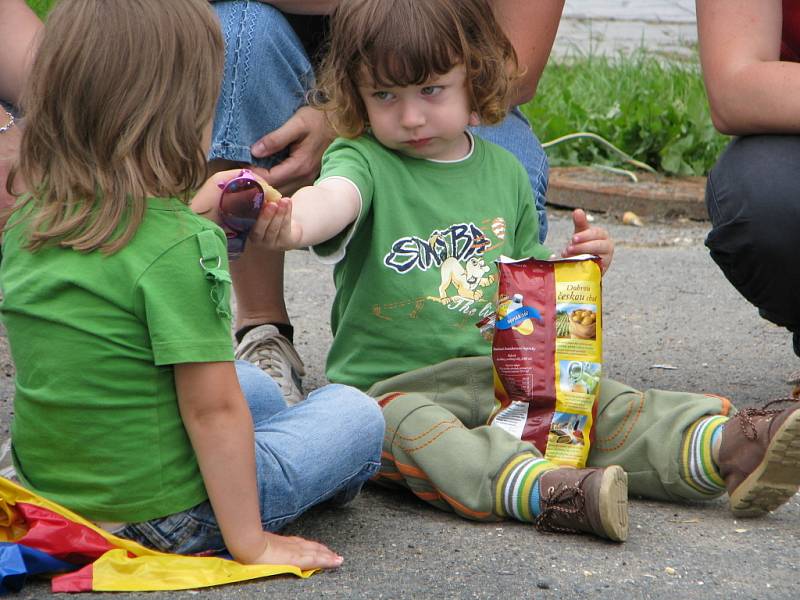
{"x": 128, "y": 408}
{"x": 413, "y": 210}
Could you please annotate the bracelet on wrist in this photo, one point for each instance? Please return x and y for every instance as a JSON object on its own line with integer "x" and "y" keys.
{"x": 10, "y": 123}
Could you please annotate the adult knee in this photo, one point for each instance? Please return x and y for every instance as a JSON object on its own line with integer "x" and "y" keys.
{"x": 752, "y": 201}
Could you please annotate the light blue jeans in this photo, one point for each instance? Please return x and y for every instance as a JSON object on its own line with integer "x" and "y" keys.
{"x": 323, "y": 448}
{"x": 267, "y": 75}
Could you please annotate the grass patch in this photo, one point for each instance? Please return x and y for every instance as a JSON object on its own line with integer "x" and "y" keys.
{"x": 653, "y": 108}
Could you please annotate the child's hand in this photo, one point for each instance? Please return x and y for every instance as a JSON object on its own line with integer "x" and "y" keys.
{"x": 589, "y": 240}
{"x": 274, "y": 229}
{"x": 305, "y": 554}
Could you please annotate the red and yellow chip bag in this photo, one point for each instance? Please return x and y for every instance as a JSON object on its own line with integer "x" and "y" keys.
{"x": 547, "y": 354}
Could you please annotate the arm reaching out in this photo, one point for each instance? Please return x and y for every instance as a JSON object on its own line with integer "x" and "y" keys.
{"x": 587, "y": 239}
{"x": 218, "y": 421}
{"x": 313, "y": 215}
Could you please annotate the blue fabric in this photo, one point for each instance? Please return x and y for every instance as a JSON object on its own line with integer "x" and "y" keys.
{"x": 17, "y": 561}
{"x": 267, "y": 75}
{"x": 322, "y": 449}
{"x": 514, "y": 134}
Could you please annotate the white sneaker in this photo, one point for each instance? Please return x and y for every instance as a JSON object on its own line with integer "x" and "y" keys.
{"x": 265, "y": 347}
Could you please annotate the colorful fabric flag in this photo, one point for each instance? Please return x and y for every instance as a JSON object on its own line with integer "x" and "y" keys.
{"x": 40, "y": 537}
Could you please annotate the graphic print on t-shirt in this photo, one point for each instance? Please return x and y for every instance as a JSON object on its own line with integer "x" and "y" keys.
{"x": 466, "y": 277}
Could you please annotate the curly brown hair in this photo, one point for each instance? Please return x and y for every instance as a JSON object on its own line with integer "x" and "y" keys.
{"x": 407, "y": 42}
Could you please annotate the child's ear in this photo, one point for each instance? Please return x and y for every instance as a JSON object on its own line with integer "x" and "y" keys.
{"x": 474, "y": 119}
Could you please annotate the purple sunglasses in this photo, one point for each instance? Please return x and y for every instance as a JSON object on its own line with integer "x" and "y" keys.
{"x": 239, "y": 204}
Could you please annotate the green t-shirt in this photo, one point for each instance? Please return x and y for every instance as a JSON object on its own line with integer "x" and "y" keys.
{"x": 416, "y": 270}
{"x": 93, "y": 337}
{"x": 41, "y": 7}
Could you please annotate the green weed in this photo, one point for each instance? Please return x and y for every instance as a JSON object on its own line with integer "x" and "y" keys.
{"x": 653, "y": 108}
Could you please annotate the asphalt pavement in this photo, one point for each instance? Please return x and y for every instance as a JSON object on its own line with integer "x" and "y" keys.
{"x": 671, "y": 321}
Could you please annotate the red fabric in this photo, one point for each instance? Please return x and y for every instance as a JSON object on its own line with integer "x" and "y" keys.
{"x": 75, "y": 582}
{"x": 790, "y": 36}
{"x": 60, "y": 537}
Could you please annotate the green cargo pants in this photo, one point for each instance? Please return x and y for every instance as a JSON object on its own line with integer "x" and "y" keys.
{"x": 438, "y": 446}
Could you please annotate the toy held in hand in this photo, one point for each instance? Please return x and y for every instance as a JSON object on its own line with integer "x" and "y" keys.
{"x": 239, "y": 205}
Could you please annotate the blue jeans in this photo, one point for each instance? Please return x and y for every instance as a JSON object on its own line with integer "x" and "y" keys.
{"x": 267, "y": 75}
{"x": 324, "y": 448}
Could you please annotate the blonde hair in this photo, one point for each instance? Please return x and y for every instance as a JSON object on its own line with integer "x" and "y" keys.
{"x": 406, "y": 42}
{"x": 116, "y": 106}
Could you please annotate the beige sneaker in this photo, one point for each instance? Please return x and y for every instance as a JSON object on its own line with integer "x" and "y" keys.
{"x": 585, "y": 500}
{"x": 276, "y": 356}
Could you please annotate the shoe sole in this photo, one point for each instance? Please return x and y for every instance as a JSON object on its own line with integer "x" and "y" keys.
{"x": 614, "y": 503}
{"x": 777, "y": 477}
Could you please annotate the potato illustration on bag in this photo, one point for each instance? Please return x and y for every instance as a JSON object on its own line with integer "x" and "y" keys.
{"x": 583, "y": 324}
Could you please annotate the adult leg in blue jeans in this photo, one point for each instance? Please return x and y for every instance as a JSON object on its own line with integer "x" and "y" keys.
{"x": 752, "y": 200}
{"x": 514, "y": 134}
{"x": 323, "y": 449}
{"x": 267, "y": 74}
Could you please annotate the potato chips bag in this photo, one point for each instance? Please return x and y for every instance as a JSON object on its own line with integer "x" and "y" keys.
{"x": 547, "y": 354}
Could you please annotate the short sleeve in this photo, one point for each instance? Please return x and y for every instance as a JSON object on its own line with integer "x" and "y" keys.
{"x": 181, "y": 306}
{"x": 346, "y": 159}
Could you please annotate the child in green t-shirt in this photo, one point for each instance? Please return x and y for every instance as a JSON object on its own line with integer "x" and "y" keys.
{"x": 128, "y": 408}
{"x": 413, "y": 210}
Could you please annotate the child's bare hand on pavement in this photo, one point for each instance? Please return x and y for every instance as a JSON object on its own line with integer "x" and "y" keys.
{"x": 588, "y": 239}
{"x": 302, "y": 553}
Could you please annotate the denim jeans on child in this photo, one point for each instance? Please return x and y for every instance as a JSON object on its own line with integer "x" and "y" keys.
{"x": 324, "y": 448}
{"x": 267, "y": 74}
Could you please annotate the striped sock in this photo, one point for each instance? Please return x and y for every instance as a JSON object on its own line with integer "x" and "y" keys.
{"x": 517, "y": 489}
{"x": 699, "y": 469}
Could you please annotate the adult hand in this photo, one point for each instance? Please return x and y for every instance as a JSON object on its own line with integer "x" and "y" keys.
{"x": 587, "y": 239}
{"x": 306, "y": 135}
{"x": 302, "y": 553}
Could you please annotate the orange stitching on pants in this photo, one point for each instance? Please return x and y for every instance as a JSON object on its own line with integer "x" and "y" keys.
{"x": 630, "y": 430}
{"x": 424, "y": 433}
{"x": 622, "y": 424}
{"x": 429, "y": 442}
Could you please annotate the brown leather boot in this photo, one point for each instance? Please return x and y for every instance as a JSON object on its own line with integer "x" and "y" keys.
{"x": 759, "y": 458}
{"x": 585, "y": 500}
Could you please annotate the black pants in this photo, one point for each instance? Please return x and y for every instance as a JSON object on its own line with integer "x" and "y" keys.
{"x": 753, "y": 199}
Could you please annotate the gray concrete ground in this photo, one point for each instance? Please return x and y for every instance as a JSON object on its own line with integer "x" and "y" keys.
{"x": 620, "y": 26}
{"x": 665, "y": 304}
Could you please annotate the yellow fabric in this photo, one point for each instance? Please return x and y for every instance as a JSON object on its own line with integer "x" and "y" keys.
{"x": 147, "y": 570}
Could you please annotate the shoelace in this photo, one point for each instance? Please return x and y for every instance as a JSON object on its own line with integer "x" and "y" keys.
{"x": 745, "y": 416}
{"x": 564, "y": 499}
{"x": 269, "y": 359}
